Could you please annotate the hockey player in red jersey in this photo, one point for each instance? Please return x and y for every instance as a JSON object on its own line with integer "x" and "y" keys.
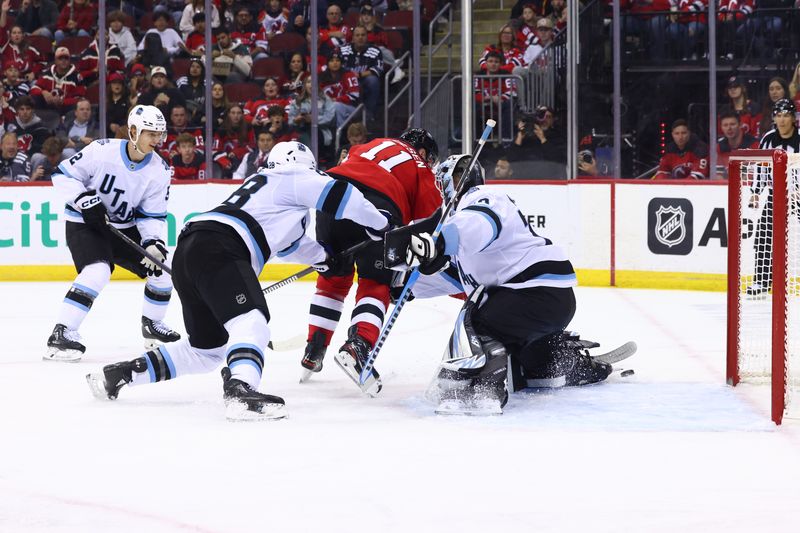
{"x": 395, "y": 175}
{"x": 686, "y": 157}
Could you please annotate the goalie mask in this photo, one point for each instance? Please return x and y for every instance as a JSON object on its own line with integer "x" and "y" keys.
{"x": 289, "y": 153}
{"x": 449, "y": 176}
{"x": 145, "y": 117}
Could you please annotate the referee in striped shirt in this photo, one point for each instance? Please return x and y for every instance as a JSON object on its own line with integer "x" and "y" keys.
{"x": 786, "y": 137}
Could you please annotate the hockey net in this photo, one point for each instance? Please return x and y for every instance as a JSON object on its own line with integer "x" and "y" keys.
{"x": 764, "y": 275}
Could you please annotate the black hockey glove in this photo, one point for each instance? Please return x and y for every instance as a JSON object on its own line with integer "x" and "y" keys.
{"x": 332, "y": 263}
{"x": 429, "y": 254}
{"x": 92, "y": 209}
{"x": 397, "y": 241}
{"x": 377, "y": 234}
{"x": 157, "y": 249}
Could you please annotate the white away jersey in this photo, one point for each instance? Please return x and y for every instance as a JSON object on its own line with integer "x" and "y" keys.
{"x": 133, "y": 193}
{"x": 491, "y": 244}
{"x": 270, "y": 212}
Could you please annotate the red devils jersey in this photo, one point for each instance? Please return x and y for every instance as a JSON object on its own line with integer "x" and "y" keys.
{"x": 194, "y": 170}
{"x": 257, "y": 109}
{"x": 691, "y": 162}
{"x": 346, "y": 90}
{"x": 395, "y": 170}
{"x": 170, "y": 146}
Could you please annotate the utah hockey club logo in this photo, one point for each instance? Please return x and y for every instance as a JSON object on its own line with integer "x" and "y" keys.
{"x": 669, "y": 226}
{"x": 241, "y": 298}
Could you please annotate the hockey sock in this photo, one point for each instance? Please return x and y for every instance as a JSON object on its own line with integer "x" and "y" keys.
{"x": 157, "y": 292}
{"x": 248, "y": 336}
{"x": 81, "y": 294}
{"x": 327, "y": 304}
{"x": 177, "y": 359}
{"x": 372, "y": 299}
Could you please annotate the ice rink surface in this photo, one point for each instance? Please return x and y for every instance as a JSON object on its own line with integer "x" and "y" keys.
{"x": 668, "y": 449}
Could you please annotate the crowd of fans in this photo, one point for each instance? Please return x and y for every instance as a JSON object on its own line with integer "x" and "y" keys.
{"x": 156, "y": 50}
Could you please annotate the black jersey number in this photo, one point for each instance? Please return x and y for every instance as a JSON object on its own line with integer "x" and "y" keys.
{"x": 248, "y": 188}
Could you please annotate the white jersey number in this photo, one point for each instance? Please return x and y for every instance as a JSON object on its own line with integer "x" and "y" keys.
{"x": 389, "y": 163}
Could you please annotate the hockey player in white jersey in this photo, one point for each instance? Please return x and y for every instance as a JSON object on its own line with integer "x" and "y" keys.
{"x": 124, "y": 183}
{"x": 521, "y": 297}
{"x": 216, "y": 265}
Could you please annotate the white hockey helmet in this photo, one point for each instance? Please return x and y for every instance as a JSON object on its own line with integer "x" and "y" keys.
{"x": 449, "y": 174}
{"x": 146, "y": 117}
{"x": 289, "y": 153}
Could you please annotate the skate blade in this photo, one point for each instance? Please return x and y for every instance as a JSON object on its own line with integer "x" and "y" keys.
{"x": 97, "y": 384}
{"x": 236, "y": 411}
{"x": 306, "y": 375}
{"x": 371, "y": 387}
{"x": 461, "y": 408}
{"x": 546, "y": 383}
{"x": 62, "y": 356}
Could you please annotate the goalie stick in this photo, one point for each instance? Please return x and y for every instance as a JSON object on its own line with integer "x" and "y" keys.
{"x": 133, "y": 244}
{"x": 366, "y": 371}
{"x": 617, "y": 354}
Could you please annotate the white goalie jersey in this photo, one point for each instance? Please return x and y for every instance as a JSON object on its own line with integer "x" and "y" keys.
{"x": 270, "y": 212}
{"x": 132, "y": 193}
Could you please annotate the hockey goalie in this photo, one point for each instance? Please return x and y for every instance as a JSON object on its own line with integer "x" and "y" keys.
{"x": 521, "y": 298}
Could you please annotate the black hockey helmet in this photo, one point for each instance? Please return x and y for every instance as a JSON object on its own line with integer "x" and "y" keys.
{"x": 784, "y": 105}
{"x": 450, "y": 176}
{"x": 420, "y": 138}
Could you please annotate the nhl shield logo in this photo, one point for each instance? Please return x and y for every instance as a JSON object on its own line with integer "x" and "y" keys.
{"x": 670, "y": 225}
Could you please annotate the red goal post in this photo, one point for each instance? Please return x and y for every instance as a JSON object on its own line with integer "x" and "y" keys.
{"x": 764, "y": 245}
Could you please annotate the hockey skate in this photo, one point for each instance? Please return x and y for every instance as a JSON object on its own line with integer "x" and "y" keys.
{"x": 156, "y": 332}
{"x": 245, "y": 404}
{"x": 314, "y": 354}
{"x": 106, "y": 385}
{"x": 63, "y": 345}
{"x": 351, "y": 358}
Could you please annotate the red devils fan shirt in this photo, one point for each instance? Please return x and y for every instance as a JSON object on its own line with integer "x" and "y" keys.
{"x": 691, "y": 162}
{"x": 195, "y": 170}
{"x": 393, "y": 168}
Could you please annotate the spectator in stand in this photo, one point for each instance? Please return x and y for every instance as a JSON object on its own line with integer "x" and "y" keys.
{"x": 160, "y": 93}
{"x": 739, "y": 102}
{"x": 256, "y": 111}
{"x": 541, "y": 7}
{"x": 219, "y": 105}
{"x": 300, "y": 17}
{"x": 117, "y": 104}
{"x": 686, "y": 157}
{"x": 538, "y": 138}
{"x": 587, "y": 164}
{"x": 172, "y": 8}
{"x": 44, "y": 165}
{"x": 30, "y": 129}
{"x": 121, "y": 35}
{"x": 733, "y": 138}
{"x": 544, "y": 37}
{"x": 14, "y": 165}
{"x": 341, "y": 86}
{"x": 89, "y": 61}
{"x": 335, "y": 33}
{"x": 731, "y": 26}
{"x": 193, "y": 88}
{"x": 559, "y": 14}
{"x": 356, "y": 134}
{"x": 276, "y": 18}
{"x": 503, "y": 169}
{"x": 510, "y": 55}
{"x": 794, "y": 86}
{"x": 15, "y": 50}
{"x": 153, "y": 53}
{"x": 77, "y": 17}
{"x": 37, "y": 17}
{"x": 178, "y": 124}
{"x": 79, "y": 128}
{"x": 196, "y": 41}
{"x": 233, "y": 141}
{"x": 686, "y": 34}
{"x": 7, "y": 113}
{"x": 15, "y": 85}
{"x": 300, "y": 118}
{"x": 188, "y": 163}
{"x": 250, "y": 34}
{"x": 297, "y": 70}
{"x": 278, "y": 126}
{"x": 59, "y": 86}
{"x": 171, "y": 42}
{"x": 494, "y": 95}
{"x": 767, "y": 27}
{"x": 256, "y": 158}
{"x": 365, "y": 61}
{"x": 137, "y": 85}
{"x": 777, "y": 89}
{"x": 232, "y": 60}
{"x": 186, "y": 25}
{"x": 377, "y": 36}
{"x": 526, "y": 32}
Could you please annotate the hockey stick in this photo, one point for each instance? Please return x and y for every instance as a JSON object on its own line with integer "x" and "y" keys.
{"x": 412, "y": 278}
{"x": 133, "y": 244}
{"x": 308, "y": 270}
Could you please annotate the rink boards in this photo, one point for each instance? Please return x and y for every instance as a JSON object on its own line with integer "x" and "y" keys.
{"x": 628, "y": 234}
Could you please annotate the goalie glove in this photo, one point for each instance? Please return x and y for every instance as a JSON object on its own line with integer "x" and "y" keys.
{"x": 157, "y": 249}
{"x": 378, "y": 234}
{"x": 92, "y": 209}
{"x": 428, "y": 254}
